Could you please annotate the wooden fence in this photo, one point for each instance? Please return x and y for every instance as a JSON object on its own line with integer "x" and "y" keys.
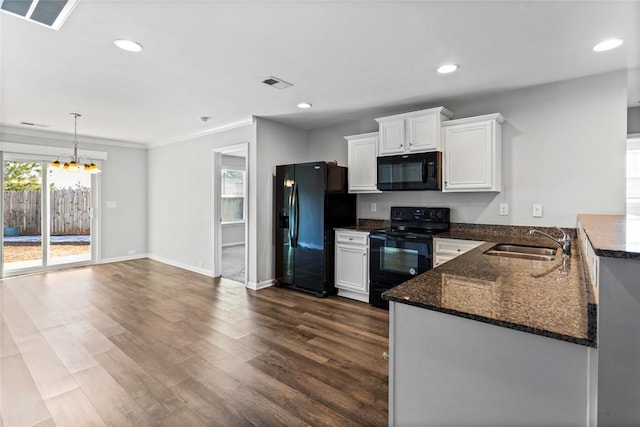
{"x": 70, "y": 211}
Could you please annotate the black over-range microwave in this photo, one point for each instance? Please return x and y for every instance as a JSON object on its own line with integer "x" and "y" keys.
{"x": 419, "y": 171}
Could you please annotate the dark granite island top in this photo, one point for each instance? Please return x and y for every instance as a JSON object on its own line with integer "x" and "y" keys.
{"x": 613, "y": 236}
{"x": 539, "y": 297}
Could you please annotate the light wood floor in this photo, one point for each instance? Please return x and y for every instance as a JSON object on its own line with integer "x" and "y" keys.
{"x": 142, "y": 343}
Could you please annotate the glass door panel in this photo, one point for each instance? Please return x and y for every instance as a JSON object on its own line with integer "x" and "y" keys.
{"x": 69, "y": 217}
{"x": 22, "y": 243}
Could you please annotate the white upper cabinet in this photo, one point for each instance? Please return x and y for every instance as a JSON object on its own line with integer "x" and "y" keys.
{"x": 472, "y": 153}
{"x": 414, "y": 132}
{"x": 363, "y": 152}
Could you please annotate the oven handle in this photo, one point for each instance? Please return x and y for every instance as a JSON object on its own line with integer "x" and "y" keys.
{"x": 396, "y": 238}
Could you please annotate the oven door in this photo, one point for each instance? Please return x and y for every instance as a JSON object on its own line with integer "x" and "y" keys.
{"x": 396, "y": 259}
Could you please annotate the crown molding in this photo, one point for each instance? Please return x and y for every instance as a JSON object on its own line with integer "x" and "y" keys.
{"x": 65, "y": 138}
{"x": 220, "y": 128}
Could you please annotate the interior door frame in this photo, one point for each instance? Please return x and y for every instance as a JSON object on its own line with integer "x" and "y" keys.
{"x": 216, "y": 195}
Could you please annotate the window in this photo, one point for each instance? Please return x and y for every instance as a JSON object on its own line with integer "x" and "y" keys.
{"x": 232, "y": 208}
{"x": 633, "y": 176}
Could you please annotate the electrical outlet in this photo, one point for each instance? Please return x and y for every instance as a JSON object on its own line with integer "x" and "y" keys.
{"x": 131, "y": 252}
{"x": 374, "y": 207}
{"x": 504, "y": 209}
{"x": 537, "y": 211}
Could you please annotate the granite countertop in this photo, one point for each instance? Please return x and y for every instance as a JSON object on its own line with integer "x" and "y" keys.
{"x": 366, "y": 225}
{"x": 549, "y": 298}
{"x": 613, "y": 236}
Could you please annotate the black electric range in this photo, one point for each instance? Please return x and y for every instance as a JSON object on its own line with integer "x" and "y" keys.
{"x": 403, "y": 250}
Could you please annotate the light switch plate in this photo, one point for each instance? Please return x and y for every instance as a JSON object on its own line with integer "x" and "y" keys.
{"x": 537, "y": 211}
{"x": 504, "y": 209}
{"x": 374, "y": 207}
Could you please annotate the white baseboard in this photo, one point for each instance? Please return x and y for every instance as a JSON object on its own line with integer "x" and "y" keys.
{"x": 260, "y": 285}
{"x": 358, "y": 296}
{"x": 187, "y": 267}
{"x": 122, "y": 258}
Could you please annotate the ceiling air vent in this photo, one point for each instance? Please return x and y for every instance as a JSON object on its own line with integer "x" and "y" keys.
{"x": 50, "y": 13}
{"x": 276, "y": 82}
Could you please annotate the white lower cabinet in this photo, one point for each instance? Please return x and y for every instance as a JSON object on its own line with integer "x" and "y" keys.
{"x": 447, "y": 249}
{"x": 352, "y": 264}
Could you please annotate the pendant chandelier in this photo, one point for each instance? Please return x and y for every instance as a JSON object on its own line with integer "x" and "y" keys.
{"x": 75, "y": 162}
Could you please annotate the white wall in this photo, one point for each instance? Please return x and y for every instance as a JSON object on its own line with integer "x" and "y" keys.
{"x": 180, "y": 198}
{"x": 277, "y": 144}
{"x": 563, "y": 147}
{"x": 123, "y": 180}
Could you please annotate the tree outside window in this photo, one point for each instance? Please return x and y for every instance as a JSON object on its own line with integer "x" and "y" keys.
{"x": 232, "y": 208}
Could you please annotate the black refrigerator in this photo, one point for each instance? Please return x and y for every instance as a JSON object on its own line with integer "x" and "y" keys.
{"x": 310, "y": 200}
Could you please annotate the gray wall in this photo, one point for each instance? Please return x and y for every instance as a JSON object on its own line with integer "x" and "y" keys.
{"x": 277, "y": 144}
{"x": 180, "y": 199}
{"x": 563, "y": 147}
{"x": 124, "y": 181}
{"x": 633, "y": 120}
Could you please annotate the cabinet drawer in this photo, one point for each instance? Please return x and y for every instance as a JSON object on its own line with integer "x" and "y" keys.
{"x": 447, "y": 249}
{"x": 352, "y": 237}
{"x": 454, "y": 246}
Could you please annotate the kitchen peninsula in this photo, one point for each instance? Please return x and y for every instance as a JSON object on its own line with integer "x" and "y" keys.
{"x": 492, "y": 340}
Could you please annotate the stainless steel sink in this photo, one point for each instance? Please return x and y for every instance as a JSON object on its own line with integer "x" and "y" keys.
{"x": 524, "y": 252}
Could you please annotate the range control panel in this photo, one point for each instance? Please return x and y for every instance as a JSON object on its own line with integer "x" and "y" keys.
{"x": 400, "y": 213}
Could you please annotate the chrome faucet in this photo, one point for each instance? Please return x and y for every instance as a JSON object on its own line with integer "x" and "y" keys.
{"x": 564, "y": 241}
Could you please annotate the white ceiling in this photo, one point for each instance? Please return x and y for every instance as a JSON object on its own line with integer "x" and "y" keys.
{"x": 350, "y": 59}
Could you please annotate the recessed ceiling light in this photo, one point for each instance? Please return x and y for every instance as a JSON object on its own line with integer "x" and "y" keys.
{"x": 447, "y": 68}
{"x": 304, "y": 105}
{"x": 607, "y": 45}
{"x": 128, "y": 45}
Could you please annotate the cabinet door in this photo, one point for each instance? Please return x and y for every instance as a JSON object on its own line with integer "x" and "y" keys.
{"x": 469, "y": 157}
{"x": 424, "y": 133}
{"x": 392, "y": 137}
{"x": 363, "y": 165}
{"x": 352, "y": 268}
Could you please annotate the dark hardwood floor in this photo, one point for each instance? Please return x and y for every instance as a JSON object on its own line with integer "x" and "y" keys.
{"x": 142, "y": 343}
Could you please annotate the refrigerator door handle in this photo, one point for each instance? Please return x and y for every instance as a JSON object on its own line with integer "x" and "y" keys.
{"x": 292, "y": 217}
{"x": 296, "y": 222}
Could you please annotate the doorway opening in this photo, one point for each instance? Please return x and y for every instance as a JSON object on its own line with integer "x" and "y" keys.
{"x": 230, "y": 212}
{"x": 48, "y": 217}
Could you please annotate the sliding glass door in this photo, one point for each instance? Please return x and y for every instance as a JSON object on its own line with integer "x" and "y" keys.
{"x": 69, "y": 217}
{"x": 47, "y": 216}
{"x": 22, "y": 244}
